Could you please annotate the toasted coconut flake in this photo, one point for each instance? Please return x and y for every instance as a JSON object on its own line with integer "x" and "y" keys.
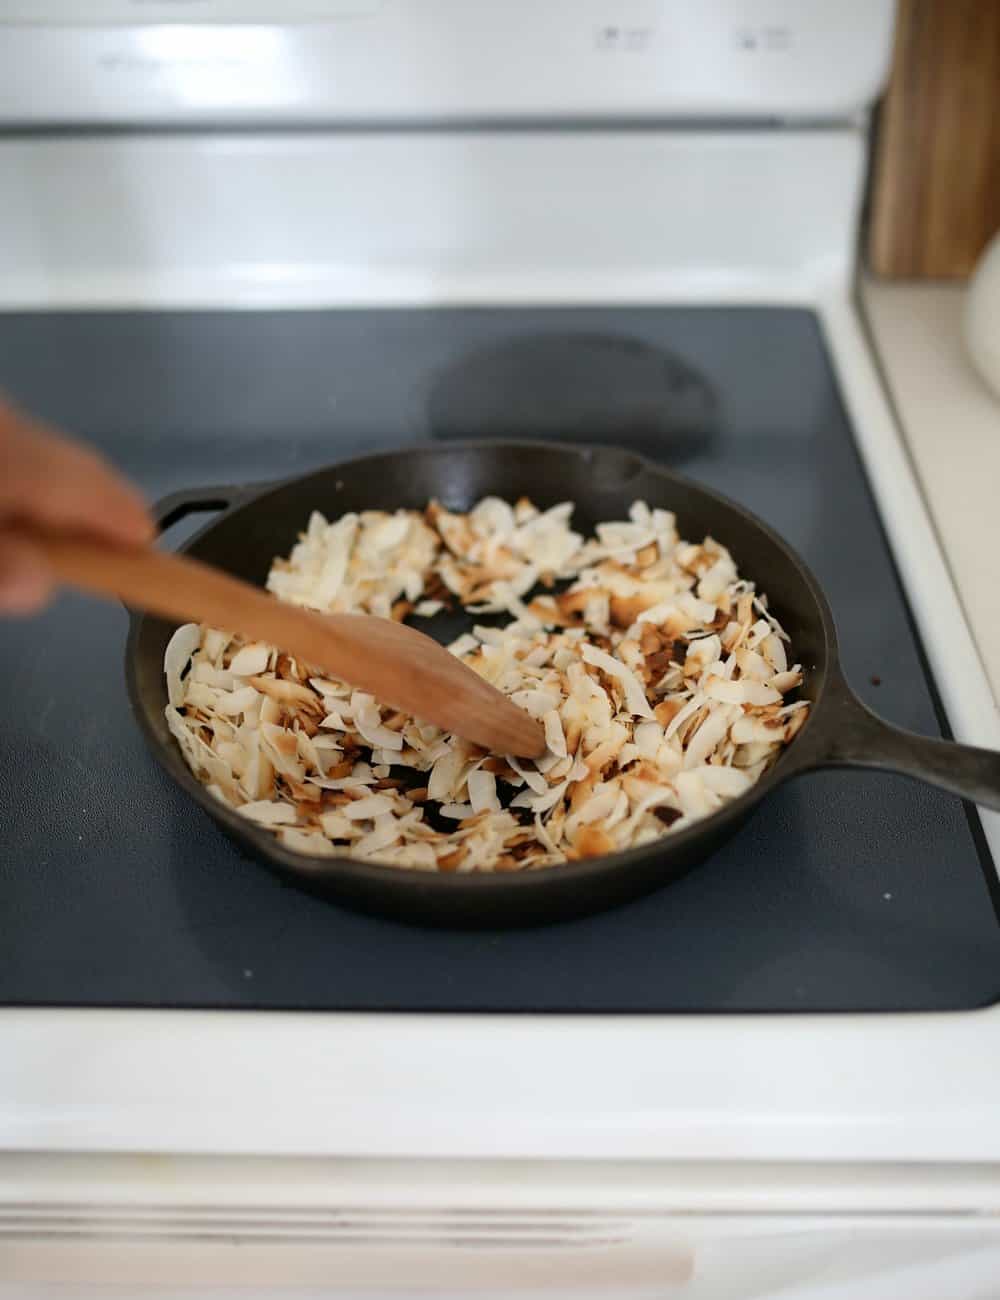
{"x": 683, "y": 715}
{"x": 701, "y": 654}
{"x": 659, "y": 678}
{"x": 752, "y": 664}
{"x": 741, "y": 692}
{"x": 749, "y": 729}
{"x": 635, "y": 696}
{"x": 383, "y": 835}
{"x": 287, "y": 692}
{"x": 309, "y": 842}
{"x": 707, "y": 738}
{"x": 368, "y": 808}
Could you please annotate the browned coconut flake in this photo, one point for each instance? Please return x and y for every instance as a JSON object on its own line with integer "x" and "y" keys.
{"x": 664, "y": 686}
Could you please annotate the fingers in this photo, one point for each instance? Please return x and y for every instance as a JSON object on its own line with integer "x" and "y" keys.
{"x": 51, "y": 481}
{"x": 25, "y": 581}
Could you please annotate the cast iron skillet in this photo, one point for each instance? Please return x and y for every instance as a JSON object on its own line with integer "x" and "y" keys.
{"x": 259, "y": 522}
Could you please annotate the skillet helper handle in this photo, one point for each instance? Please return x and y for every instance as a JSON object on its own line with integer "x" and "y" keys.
{"x": 862, "y": 739}
{"x": 175, "y": 506}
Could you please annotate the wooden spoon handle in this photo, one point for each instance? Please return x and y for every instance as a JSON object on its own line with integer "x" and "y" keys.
{"x": 401, "y": 666}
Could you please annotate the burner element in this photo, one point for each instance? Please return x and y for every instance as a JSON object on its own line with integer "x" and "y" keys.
{"x": 578, "y": 387}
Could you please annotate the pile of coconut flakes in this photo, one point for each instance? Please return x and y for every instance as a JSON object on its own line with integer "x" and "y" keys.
{"x": 657, "y": 672}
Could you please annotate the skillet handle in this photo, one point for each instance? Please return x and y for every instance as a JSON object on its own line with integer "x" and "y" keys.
{"x": 859, "y": 738}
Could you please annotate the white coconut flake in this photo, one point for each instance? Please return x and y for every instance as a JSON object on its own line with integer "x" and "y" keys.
{"x": 483, "y": 792}
{"x": 267, "y": 812}
{"x": 214, "y": 643}
{"x": 540, "y": 803}
{"x": 555, "y": 738}
{"x": 205, "y": 671}
{"x": 233, "y": 703}
{"x": 309, "y": 842}
{"x": 717, "y": 579}
{"x": 250, "y": 660}
{"x": 338, "y": 827}
{"x": 600, "y": 804}
{"x": 727, "y": 782}
{"x": 368, "y": 721}
{"x": 774, "y": 650}
{"x": 368, "y": 808}
{"x": 533, "y": 778}
{"x": 445, "y": 775}
{"x": 457, "y": 812}
{"x": 181, "y": 646}
{"x": 696, "y": 799}
{"x": 536, "y": 702}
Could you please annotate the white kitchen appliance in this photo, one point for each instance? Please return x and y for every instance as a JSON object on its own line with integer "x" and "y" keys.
{"x": 175, "y": 172}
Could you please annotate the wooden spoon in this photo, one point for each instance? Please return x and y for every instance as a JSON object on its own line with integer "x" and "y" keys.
{"x": 400, "y": 666}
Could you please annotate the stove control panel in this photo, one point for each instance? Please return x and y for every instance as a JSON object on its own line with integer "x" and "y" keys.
{"x": 405, "y": 61}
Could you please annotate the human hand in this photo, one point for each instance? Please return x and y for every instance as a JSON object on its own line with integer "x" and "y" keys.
{"x": 50, "y": 482}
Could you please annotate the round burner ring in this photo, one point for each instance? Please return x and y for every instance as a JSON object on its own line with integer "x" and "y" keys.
{"x": 579, "y": 387}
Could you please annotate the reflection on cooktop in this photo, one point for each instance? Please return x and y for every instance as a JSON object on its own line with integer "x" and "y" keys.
{"x": 576, "y": 387}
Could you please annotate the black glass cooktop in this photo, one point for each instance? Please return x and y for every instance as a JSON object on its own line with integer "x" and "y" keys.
{"x": 846, "y": 891}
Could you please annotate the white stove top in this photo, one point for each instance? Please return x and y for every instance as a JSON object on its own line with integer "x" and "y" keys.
{"x": 659, "y": 230}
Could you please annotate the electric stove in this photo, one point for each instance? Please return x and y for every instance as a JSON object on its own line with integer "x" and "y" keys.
{"x": 239, "y": 241}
